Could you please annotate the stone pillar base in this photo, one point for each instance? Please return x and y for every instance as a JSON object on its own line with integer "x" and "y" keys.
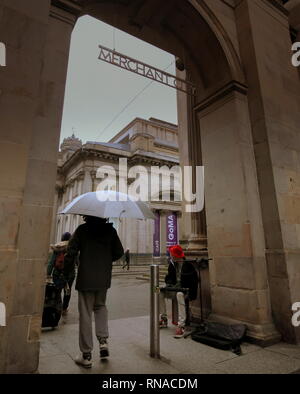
{"x": 259, "y": 334}
{"x": 195, "y": 246}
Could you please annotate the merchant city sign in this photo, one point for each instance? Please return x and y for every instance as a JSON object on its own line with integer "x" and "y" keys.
{"x": 145, "y": 70}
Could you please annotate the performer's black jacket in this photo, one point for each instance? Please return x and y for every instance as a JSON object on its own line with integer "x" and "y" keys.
{"x": 188, "y": 277}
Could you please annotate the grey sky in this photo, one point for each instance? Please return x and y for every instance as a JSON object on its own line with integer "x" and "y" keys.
{"x": 96, "y": 92}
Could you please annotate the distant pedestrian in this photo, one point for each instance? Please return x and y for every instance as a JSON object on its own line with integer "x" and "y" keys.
{"x": 99, "y": 245}
{"x": 126, "y": 259}
{"x": 181, "y": 275}
{"x": 55, "y": 270}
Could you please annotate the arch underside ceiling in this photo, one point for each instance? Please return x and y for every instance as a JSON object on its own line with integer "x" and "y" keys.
{"x": 176, "y": 27}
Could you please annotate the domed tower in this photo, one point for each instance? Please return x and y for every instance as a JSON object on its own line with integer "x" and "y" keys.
{"x": 69, "y": 146}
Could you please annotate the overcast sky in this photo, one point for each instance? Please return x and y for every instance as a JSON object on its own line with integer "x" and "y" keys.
{"x": 96, "y": 92}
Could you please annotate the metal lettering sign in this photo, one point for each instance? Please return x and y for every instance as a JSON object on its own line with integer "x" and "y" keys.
{"x": 145, "y": 70}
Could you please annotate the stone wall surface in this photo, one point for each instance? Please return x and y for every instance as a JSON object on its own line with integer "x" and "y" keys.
{"x": 32, "y": 90}
{"x": 23, "y": 29}
{"x": 274, "y": 103}
{"x": 238, "y": 273}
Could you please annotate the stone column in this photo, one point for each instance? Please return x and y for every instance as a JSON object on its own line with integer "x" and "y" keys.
{"x": 193, "y": 230}
{"x": 54, "y": 216}
{"x": 93, "y": 174}
{"x": 80, "y": 179}
{"x": 44, "y": 63}
{"x": 23, "y": 29}
{"x": 194, "y": 224}
{"x": 274, "y": 102}
{"x": 87, "y": 184}
{"x": 238, "y": 273}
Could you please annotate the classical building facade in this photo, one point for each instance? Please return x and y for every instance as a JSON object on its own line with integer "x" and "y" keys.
{"x": 147, "y": 143}
{"x": 242, "y": 124}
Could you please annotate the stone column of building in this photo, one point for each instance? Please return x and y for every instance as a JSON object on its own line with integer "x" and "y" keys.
{"x": 194, "y": 224}
{"x": 23, "y": 32}
{"x": 193, "y": 233}
{"x": 93, "y": 174}
{"x": 87, "y": 181}
{"x": 274, "y": 102}
{"x": 36, "y": 51}
{"x": 79, "y": 182}
{"x": 238, "y": 273}
{"x": 53, "y": 232}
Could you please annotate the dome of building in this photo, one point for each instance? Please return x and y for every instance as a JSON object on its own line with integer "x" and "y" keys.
{"x": 71, "y": 144}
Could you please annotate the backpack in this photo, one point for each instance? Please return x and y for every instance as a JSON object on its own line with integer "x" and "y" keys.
{"x": 59, "y": 261}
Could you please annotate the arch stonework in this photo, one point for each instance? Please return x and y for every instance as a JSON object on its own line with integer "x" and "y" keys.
{"x": 238, "y": 126}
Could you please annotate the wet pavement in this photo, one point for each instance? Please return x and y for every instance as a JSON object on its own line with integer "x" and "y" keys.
{"x": 129, "y": 326}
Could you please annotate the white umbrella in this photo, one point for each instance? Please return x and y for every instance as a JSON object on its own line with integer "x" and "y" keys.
{"x": 108, "y": 204}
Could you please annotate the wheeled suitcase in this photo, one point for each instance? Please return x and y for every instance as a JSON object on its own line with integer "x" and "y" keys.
{"x": 52, "y": 306}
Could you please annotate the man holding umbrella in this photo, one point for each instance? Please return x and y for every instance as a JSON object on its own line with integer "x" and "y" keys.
{"x": 98, "y": 245}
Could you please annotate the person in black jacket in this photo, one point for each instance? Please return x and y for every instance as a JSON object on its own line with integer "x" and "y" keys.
{"x": 181, "y": 274}
{"x": 55, "y": 271}
{"x": 98, "y": 245}
{"x": 127, "y": 260}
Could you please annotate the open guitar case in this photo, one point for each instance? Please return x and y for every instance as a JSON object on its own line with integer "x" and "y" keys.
{"x": 215, "y": 334}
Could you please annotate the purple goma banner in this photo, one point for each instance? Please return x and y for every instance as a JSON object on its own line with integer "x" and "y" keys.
{"x": 172, "y": 238}
{"x": 156, "y": 236}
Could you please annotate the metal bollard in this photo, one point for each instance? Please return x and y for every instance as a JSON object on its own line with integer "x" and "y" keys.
{"x": 154, "y": 312}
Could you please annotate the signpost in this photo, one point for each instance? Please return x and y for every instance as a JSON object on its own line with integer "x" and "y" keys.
{"x": 133, "y": 65}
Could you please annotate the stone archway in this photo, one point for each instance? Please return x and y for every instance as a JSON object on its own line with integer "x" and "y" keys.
{"x": 238, "y": 148}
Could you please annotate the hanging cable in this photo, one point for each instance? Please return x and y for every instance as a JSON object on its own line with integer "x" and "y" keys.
{"x": 129, "y": 103}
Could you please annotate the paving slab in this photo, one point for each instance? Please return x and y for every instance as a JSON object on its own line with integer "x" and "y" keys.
{"x": 261, "y": 362}
{"x": 286, "y": 349}
{"x": 129, "y": 326}
{"x": 129, "y": 350}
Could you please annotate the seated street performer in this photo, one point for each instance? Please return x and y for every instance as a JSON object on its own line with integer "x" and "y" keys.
{"x": 182, "y": 276}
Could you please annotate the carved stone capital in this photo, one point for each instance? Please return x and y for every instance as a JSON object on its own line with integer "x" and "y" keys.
{"x": 93, "y": 174}
{"x": 80, "y": 175}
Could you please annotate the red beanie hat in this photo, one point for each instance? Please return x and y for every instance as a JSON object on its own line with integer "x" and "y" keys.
{"x": 176, "y": 251}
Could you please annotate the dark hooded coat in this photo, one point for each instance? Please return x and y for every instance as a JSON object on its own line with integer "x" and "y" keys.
{"x": 98, "y": 246}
